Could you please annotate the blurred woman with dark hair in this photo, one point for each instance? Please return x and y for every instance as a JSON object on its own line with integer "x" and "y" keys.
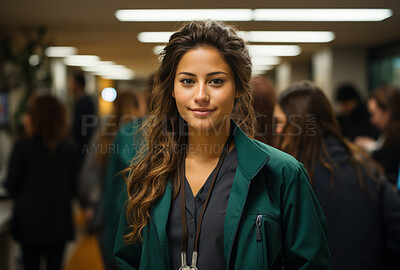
{"x": 41, "y": 180}
{"x": 384, "y": 107}
{"x": 264, "y": 101}
{"x": 362, "y": 210}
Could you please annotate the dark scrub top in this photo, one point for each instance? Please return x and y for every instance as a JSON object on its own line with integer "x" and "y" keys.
{"x": 211, "y": 242}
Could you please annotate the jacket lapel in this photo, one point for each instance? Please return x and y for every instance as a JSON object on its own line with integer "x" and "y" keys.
{"x": 251, "y": 158}
{"x": 160, "y": 217}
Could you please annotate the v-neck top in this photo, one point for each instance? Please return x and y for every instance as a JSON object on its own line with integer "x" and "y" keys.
{"x": 211, "y": 242}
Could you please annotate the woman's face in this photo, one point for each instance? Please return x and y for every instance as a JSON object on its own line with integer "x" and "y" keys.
{"x": 280, "y": 121}
{"x": 379, "y": 117}
{"x": 204, "y": 89}
{"x": 27, "y": 124}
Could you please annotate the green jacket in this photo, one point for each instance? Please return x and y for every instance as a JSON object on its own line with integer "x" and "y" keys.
{"x": 268, "y": 182}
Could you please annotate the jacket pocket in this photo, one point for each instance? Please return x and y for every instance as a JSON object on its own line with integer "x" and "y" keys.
{"x": 267, "y": 237}
{"x": 261, "y": 252}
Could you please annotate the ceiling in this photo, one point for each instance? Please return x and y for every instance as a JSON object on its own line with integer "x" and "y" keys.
{"x": 92, "y": 28}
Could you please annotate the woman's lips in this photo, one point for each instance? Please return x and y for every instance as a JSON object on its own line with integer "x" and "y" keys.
{"x": 202, "y": 111}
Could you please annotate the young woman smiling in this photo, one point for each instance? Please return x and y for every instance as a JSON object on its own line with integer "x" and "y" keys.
{"x": 204, "y": 195}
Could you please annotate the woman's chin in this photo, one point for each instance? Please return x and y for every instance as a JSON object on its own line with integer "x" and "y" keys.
{"x": 207, "y": 126}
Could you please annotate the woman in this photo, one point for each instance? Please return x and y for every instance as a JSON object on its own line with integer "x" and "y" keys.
{"x": 264, "y": 101}
{"x": 383, "y": 105}
{"x": 361, "y": 208}
{"x": 204, "y": 195}
{"x": 41, "y": 180}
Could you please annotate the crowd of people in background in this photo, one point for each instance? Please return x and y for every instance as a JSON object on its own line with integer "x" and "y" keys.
{"x": 352, "y": 158}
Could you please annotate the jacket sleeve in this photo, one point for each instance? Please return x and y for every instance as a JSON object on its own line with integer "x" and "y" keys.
{"x": 390, "y": 207}
{"x": 127, "y": 256}
{"x": 114, "y": 187}
{"x": 304, "y": 226}
{"x": 16, "y": 169}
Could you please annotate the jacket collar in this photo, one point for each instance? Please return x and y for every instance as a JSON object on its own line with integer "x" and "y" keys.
{"x": 251, "y": 156}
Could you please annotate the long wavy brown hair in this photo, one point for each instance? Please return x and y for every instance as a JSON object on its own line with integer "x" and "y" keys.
{"x": 388, "y": 100}
{"x": 48, "y": 119}
{"x": 310, "y": 120}
{"x": 164, "y": 129}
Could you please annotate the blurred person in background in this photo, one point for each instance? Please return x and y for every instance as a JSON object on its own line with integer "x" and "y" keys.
{"x": 42, "y": 182}
{"x": 84, "y": 117}
{"x": 93, "y": 172}
{"x": 384, "y": 107}
{"x": 128, "y": 140}
{"x": 360, "y": 205}
{"x": 264, "y": 101}
{"x": 353, "y": 115}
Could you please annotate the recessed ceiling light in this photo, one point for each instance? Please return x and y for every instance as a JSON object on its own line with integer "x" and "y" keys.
{"x": 274, "y": 50}
{"x": 162, "y": 15}
{"x": 320, "y": 15}
{"x": 109, "y": 94}
{"x": 60, "y": 51}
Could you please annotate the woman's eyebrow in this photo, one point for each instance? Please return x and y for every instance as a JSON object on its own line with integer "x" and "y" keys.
{"x": 208, "y": 74}
{"x": 186, "y": 73}
{"x": 216, "y": 72}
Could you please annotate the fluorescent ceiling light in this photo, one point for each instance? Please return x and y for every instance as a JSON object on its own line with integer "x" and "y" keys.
{"x": 99, "y": 66}
{"x": 274, "y": 50}
{"x": 159, "y": 15}
{"x": 265, "y": 60}
{"x": 321, "y": 14}
{"x": 263, "y": 67}
{"x": 81, "y": 60}
{"x": 116, "y": 72}
{"x": 154, "y": 37}
{"x": 255, "y": 36}
{"x": 290, "y": 36}
{"x": 258, "y": 51}
{"x": 60, "y": 51}
{"x": 157, "y": 49}
{"x": 163, "y": 15}
{"x": 261, "y": 50}
{"x": 121, "y": 77}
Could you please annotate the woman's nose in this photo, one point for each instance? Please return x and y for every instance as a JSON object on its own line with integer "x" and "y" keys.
{"x": 202, "y": 94}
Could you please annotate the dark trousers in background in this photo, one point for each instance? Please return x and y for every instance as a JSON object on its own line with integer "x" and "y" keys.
{"x": 52, "y": 254}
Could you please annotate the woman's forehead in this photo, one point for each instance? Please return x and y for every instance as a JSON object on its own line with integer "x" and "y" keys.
{"x": 203, "y": 60}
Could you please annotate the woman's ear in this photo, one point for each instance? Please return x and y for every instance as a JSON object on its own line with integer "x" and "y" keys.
{"x": 173, "y": 93}
{"x": 238, "y": 94}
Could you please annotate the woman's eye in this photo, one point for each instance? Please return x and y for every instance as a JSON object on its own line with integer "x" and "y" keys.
{"x": 216, "y": 81}
{"x": 187, "y": 81}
